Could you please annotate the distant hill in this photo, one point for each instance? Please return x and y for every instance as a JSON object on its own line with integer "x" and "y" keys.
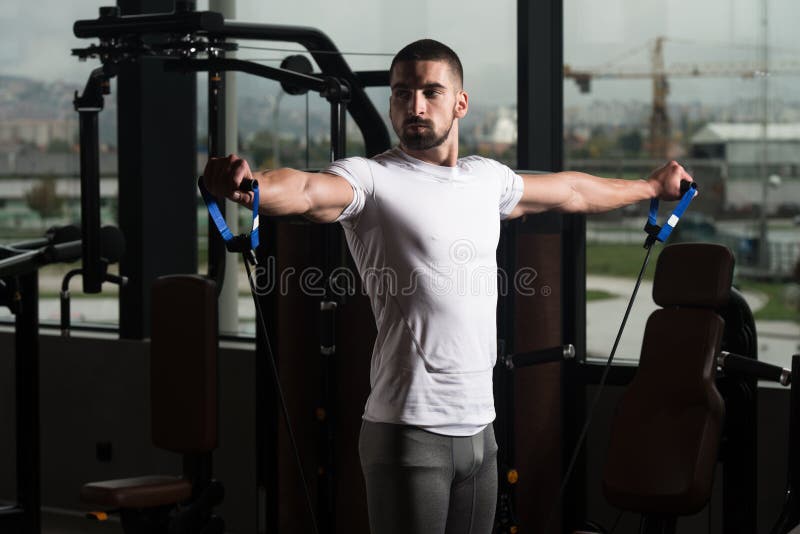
{"x": 22, "y": 98}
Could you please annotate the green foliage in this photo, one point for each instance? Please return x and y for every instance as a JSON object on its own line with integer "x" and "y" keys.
{"x": 619, "y": 260}
{"x": 43, "y": 199}
{"x": 778, "y": 306}
{"x": 598, "y": 294}
{"x": 292, "y": 152}
{"x": 626, "y": 260}
{"x": 59, "y": 146}
{"x": 631, "y": 143}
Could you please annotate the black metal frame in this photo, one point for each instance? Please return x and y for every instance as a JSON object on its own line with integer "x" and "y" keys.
{"x": 338, "y": 84}
{"x": 19, "y": 291}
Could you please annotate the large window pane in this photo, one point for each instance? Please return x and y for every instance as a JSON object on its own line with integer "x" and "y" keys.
{"x": 645, "y": 83}
{"x": 278, "y": 129}
{"x": 39, "y": 164}
{"x": 39, "y": 161}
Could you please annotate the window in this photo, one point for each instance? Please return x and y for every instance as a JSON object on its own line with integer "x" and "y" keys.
{"x": 39, "y": 163}
{"x": 39, "y": 160}
{"x": 678, "y": 80}
{"x": 278, "y": 129}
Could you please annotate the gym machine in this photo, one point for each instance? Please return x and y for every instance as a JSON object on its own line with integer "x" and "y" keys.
{"x": 19, "y": 291}
{"x": 181, "y": 38}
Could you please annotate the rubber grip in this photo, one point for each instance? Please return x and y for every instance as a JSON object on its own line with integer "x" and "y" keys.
{"x": 248, "y": 185}
{"x": 751, "y": 367}
{"x": 686, "y": 185}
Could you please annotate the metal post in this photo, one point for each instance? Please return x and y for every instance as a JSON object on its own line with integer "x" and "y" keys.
{"x": 228, "y": 144}
{"x": 27, "y": 385}
{"x": 88, "y": 105}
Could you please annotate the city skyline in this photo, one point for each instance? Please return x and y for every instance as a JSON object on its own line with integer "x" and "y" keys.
{"x": 718, "y": 31}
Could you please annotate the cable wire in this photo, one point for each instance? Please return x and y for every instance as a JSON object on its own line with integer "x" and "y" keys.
{"x": 304, "y": 51}
{"x": 279, "y": 390}
{"x": 585, "y": 429}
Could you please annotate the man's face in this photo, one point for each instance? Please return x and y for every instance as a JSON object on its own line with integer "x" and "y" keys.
{"x": 425, "y": 101}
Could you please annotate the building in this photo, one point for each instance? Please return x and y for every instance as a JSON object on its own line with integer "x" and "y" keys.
{"x": 743, "y": 146}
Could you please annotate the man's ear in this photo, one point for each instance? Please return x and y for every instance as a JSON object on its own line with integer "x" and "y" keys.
{"x": 462, "y": 104}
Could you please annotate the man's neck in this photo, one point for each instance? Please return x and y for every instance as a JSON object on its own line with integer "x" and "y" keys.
{"x": 446, "y": 157}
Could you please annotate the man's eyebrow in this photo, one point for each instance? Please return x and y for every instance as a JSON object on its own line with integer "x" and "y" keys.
{"x": 431, "y": 85}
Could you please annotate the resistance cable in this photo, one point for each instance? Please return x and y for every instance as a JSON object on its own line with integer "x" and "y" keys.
{"x": 654, "y": 233}
{"x": 246, "y": 244}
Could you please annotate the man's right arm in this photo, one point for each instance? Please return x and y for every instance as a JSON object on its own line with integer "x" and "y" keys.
{"x": 318, "y": 196}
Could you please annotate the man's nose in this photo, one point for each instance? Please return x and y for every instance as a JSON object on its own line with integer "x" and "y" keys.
{"x": 417, "y": 104}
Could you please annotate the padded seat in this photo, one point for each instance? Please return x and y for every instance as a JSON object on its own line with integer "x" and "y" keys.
{"x": 137, "y": 492}
{"x": 666, "y": 432}
{"x": 183, "y": 417}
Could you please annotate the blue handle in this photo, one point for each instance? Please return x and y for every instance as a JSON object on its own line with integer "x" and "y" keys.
{"x": 233, "y": 243}
{"x": 657, "y": 233}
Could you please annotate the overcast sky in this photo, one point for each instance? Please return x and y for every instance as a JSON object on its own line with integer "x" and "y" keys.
{"x": 36, "y": 43}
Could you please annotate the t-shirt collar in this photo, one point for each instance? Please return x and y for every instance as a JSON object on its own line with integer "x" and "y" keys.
{"x": 440, "y": 171}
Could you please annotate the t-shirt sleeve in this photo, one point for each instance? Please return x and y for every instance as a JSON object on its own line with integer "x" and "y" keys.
{"x": 358, "y": 174}
{"x": 510, "y": 191}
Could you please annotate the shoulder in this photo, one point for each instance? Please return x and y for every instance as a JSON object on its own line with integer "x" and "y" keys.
{"x": 356, "y": 170}
{"x": 480, "y": 164}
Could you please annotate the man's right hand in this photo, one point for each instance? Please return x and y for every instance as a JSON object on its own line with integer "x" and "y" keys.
{"x": 222, "y": 177}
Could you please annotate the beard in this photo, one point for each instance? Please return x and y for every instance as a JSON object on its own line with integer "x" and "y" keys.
{"x": 424, "y": 138}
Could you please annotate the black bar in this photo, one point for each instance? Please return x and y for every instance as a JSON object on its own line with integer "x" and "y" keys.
{"x": 552, "y": 354}
{"x": 794, "y": 431}
{"x": 56, "y": 234}
{"x": 33, "y": 259}
{"x": 325, "y": 53}
{"x": 181, "y": 23}
{"x": 88, "y": 106}
{"x": 19, "y": 264}
{"x": 63, "y": 253}
{"x": 503, "y": 380}
{"x": 338, "y": 133}
{"x": 751, "y": 367}
{"x": 27, "y": 393}
{"x": 216, "y": 148}
{"x": 373, "y": 78}
{"x": 155, "y": 155}
{"x": 298, "y": 79}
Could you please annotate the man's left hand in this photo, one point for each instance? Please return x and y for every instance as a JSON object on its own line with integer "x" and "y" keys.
{"x": 666, "y": 181}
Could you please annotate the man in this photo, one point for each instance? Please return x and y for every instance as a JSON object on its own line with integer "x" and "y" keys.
{"x": 431, "y": 221}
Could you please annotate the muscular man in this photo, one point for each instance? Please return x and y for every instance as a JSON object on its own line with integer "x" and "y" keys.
{"x": 423, "y": 225}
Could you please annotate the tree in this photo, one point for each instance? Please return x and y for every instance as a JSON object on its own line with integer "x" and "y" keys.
{"x": 43, "y": 199}
{"x": 59, "y": 146}
{"x": 631, "y": 143}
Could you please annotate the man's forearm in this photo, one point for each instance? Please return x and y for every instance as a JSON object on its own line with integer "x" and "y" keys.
{"x": 592, "y": 194}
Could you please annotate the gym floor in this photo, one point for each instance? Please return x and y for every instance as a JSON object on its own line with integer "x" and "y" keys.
{"x": 70, "y": 522}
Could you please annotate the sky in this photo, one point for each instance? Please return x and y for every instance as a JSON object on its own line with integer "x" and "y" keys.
{"x": 37, "y": 45}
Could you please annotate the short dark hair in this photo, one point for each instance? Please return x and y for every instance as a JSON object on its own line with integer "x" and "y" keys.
{"x": 429, "y": 50}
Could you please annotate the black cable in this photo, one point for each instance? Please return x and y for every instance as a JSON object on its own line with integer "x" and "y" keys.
{"x": 303, "y": 51}
{"x": 279, "y": 389}
{"x": 307, "y": 136}
{"x": 585, "y": 429}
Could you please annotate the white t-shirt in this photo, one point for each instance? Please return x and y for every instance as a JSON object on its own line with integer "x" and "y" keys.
{"x": 424, "y": 238}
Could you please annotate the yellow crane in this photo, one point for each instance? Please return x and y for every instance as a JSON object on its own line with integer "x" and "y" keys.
{"x": 659, "y": 123}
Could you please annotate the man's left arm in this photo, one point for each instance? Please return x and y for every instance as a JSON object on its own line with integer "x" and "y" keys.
{"x": 577, "y": 192}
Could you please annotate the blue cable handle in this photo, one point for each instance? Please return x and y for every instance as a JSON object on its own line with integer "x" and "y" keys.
{"x": 672, "y": 221}
{"x": 232, "y": 243}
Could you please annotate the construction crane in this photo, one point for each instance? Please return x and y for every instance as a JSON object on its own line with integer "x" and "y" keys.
{"x": 659, "y": 123}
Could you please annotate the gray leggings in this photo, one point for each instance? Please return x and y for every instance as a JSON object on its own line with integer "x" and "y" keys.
{"x": 424, "y": 483}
